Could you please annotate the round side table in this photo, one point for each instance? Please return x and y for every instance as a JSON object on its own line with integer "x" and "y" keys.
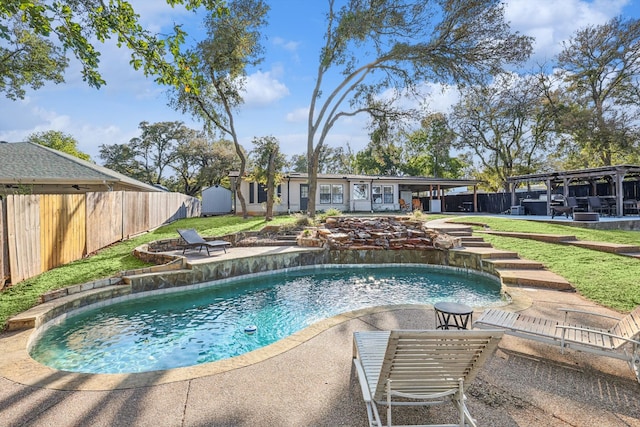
{"x": 451, "y": 315}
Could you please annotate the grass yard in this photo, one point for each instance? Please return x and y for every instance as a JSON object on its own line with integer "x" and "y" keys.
{"x": 608, "y": 279}
{"x": 117, "y": 257}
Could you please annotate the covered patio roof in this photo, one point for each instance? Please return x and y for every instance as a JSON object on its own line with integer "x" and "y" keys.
{"x": 614, "y": 175}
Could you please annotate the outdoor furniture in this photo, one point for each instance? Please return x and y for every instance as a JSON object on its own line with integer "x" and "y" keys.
{"x": 421, "y": 367}
{"x": 452, "y": 314}
{"x": 562, "y": 210}
{"x": 631, "y": 206}
{"x": 193, "y": 240}
{"x": 621, "y": 341}
{"x": 596, "y": 205}
{"x": 586, "y": 216}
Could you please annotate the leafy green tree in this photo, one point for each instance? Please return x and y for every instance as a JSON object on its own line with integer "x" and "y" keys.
{"x": 58, "y": 141}
{"x": 333, "y": 160}
{"x": 122, "y": 158}
{"x": 55, "y": 27}
{"x": 504, "y": 127}
{"x": 382, "y": 154}
{"x": 596, "y": 106}
{"x": 156, "y": 147}
{"x": 393, "y": 46}
{"x": 218, "y": 67}
{"x": 426, "y": 151}
{"x": 201, "y": 163}
{"x": 28, "y": 59}
{"x": 268, "y": 162}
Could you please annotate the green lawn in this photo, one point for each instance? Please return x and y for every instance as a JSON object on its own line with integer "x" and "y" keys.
{"x": 117, "y": 258}
{"x": 608, "y": 279}
{"x": 611, "y": 280}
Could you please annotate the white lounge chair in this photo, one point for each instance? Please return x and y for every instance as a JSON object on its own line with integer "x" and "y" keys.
{"x": 421, "y": 367}
{"x": 620, "y": 341}
{"x": 193, "y": 240}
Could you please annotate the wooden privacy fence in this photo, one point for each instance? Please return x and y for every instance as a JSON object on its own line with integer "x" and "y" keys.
{"x": 43, "y": 231}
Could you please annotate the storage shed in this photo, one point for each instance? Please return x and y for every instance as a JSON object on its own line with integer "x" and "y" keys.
{"x": 216, "y": 200}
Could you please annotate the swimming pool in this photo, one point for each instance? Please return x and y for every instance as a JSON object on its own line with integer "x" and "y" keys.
{"x": 207, "y": 324}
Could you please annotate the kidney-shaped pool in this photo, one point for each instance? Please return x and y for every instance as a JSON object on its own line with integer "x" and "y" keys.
{"x": 233, "y": 317}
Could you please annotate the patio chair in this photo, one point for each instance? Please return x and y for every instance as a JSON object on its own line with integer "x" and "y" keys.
{"x": 193, "y": 240}
{"x": 621, "y": 341}
{"x": 596, "y": 205}
{"x": 419, "y": 367}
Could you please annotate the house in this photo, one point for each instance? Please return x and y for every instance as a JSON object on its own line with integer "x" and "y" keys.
{"x": 29, "y": 168}
{"x": 352, "y": 193}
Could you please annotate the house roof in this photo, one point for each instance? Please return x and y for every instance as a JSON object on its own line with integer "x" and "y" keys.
{"x": 30, "y": 163}
{"x": 406, "y": 180}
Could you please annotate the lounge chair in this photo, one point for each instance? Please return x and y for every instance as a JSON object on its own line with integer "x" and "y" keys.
{"x": 193, "y": 240}
{"x": 420, "y": 367}
{"x": 597, "y": 205}
{"x": 620, "y": 341}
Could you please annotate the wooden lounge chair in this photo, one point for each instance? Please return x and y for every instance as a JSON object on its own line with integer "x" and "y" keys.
{"x": 620, "y": 341}
{"x": 420, "y": 367}
{"x": 193, "y": 240}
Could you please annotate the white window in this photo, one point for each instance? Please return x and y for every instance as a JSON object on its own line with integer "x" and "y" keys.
{"x": 337, "y": 194}
{"x": 360, "y": 191}
{"x": 382, "y": 194}
{"x": 325, "y": 194}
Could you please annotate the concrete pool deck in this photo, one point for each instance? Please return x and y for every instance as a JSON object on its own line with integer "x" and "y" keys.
{"x": 308, "y": 380}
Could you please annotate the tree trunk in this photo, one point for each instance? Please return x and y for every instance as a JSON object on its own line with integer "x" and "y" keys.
{"x": 271, "y": 174}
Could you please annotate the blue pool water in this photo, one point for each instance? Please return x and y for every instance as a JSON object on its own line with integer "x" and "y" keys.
{"x": 191, "y": 327}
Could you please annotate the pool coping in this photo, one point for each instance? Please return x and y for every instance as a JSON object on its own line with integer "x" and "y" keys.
{"x": 16, "y": 364}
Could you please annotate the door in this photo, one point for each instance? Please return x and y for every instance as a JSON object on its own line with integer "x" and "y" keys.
{"x": 304, "y": 197}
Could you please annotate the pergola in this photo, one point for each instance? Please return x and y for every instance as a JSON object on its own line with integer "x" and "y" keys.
{"x": 614, "y": 175}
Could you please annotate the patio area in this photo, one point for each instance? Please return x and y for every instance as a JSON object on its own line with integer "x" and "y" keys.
{"x": 310, "y": 380}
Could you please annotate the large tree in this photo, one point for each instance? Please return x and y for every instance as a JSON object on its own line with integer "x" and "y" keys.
{"x": 333, "y": 160}
{"x": 33, "y": 29}
{"x": 426, "y": 151}
{"x": 504, "y": 127}
{"x": 268, "y": 162}
{"x": 156, "y": 146}
{"x": 374, "y": 46}
{"x": 200, "y": 163}
{"x": 58, "y": 141}
{"x": 218, "y": 66}
{"x": 596, "y": 104}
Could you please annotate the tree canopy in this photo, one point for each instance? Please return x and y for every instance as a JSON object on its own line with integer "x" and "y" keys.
{"x": 393, "y": 46}
{"x": 58, "y": 141}
{"x": 38, "y": 35}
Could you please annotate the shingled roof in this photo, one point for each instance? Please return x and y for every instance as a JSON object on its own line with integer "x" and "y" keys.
{"x": 29, "y": 163}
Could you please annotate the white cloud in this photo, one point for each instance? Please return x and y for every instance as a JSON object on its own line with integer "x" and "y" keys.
{"x": 262, "y": 89}
{"x": 298, "y": 115}
{"x": 553, "y": 21}
{"x": 288, "y": 45}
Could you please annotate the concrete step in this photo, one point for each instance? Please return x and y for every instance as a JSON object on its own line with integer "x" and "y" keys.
{"x": 475, "y": 244}
{"x": 533, "y": 278}
{"x": 615, "y": 248}
{"x": 550, "y": 238}
{"x": 515, "y": 263}
{"x": 472, "y": 238}
{"x": 459, "y": 233}
{"x": 489, "y": 252}
{"x": 630, "y": 254}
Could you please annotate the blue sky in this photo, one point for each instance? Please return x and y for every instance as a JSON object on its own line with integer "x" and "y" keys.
{"x": 278, "y": 91}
